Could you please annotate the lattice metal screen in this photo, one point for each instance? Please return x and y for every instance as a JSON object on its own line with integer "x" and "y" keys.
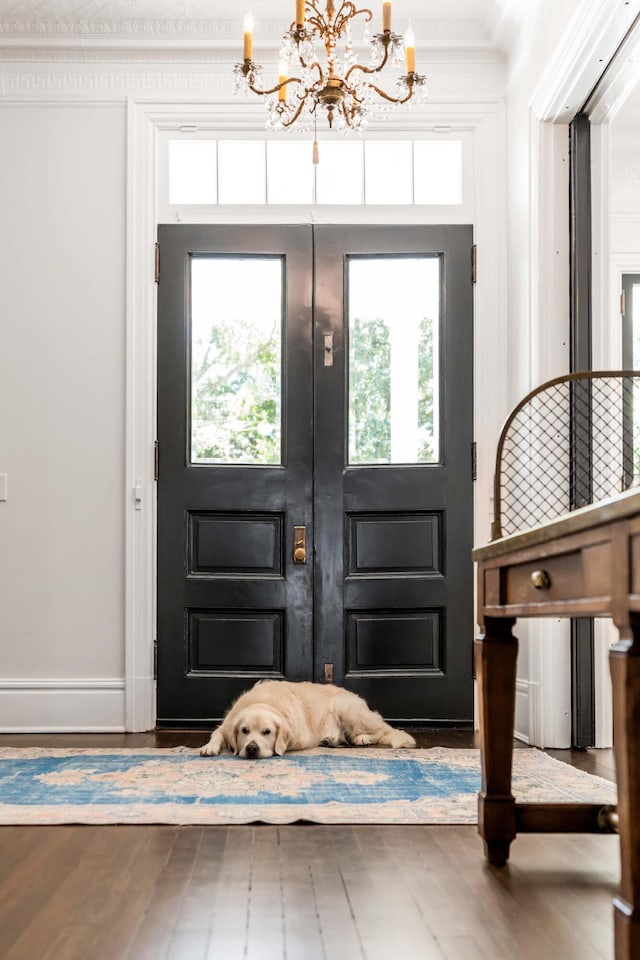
{"x": 574, "y": 440}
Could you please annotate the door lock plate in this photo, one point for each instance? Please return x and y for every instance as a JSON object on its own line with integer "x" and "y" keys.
{"x": 299, "y": 544}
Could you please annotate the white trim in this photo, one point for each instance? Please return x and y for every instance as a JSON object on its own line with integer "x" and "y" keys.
{"x": 67, "y": 683}
{"x": 490, "y": 345}
{"x": 34, "y": 705}
{"x": 487, "y": 123}
{"x": 544, "y": 662}
{"x": 605, "y": 633}
{"x": 619, "y": 81}
{"x": 140, "y": 526}
{"x": 589, "y": 43}
{"x": 550, "y": 683}
{"x": 606, "y": 349}
{"x": 523, "y": 706}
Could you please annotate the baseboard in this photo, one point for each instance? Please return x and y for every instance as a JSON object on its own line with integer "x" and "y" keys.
{"x": 62, "y": 706}
{"x": 523, "y": 707}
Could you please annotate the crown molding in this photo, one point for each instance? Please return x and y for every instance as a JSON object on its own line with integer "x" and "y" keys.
{"x": 85, "y": 35}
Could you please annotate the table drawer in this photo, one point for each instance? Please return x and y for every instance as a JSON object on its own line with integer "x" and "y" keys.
{"x": 566, "y": 577}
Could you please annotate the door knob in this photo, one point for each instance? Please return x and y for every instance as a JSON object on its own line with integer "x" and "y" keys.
{"x": 299, "y": 544}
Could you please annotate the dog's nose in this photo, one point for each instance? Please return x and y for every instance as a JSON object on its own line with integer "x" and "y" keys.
{"x": 251, "y": 750}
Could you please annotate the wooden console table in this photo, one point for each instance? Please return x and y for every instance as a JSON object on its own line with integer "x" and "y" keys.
{"x": 586, "y": 563}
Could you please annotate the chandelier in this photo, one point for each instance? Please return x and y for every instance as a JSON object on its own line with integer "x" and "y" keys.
{"x": 339, "y": 88}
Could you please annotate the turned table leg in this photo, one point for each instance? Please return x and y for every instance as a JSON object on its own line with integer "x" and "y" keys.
{"x": 496, "y": 651}
{"x": 624, "y": 660}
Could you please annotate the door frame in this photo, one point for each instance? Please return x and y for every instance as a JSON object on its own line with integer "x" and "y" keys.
{"x": 486, "y": 211}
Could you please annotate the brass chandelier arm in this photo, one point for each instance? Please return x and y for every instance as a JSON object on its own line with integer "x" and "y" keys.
{"x": 278, "y": 86}
{"x": 292, "y": 120}
{"x": 385, "y": 96}
{"x": 312, "y": 66}
{"x": 322, "y": 26}
{"x": 369, "y": 70}
{"x": 350, "y": 9}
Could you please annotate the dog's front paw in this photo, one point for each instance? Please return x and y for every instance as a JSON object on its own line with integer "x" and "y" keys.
{"x": 401, "y": 740}
{"x": 363, "y": 740}
{"x": 213, "y": 748}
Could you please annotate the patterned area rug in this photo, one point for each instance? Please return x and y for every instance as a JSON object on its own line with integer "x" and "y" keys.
{"x": 357, "y": 785}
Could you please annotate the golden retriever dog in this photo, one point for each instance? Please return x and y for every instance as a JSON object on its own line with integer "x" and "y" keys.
{"x": 278, "y": 715}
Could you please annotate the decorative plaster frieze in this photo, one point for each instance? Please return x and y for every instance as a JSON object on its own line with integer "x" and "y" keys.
{"x": 449, "y": 82}
{"x": 108, "y": 84}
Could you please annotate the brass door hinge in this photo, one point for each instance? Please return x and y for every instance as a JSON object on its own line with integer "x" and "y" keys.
{"x": 474, "y": 461}
{"x": 156, "y": 263}
{"x": 328, "y": 673}
{"x": 155, "y": 659}
{"x": 474, "y": 263}
{"x": 156, "y": 460}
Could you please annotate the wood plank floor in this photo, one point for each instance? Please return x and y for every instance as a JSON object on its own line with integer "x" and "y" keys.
{"x": 300, "y": 892}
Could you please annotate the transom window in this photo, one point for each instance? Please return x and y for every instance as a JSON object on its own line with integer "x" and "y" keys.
{"x": 268, "y": 172}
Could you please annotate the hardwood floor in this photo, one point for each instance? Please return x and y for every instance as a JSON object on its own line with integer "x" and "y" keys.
{"x": 300, "y": 892}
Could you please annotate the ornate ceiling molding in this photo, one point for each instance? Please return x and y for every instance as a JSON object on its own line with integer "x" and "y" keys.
{"x": 217, "y": 34}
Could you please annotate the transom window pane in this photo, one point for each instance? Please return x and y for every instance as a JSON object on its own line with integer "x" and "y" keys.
{"x": 192, "y": 171}
{"x": 393, "y": 307}
{"x": 236, "y": 360}
{"x": 242, "y": 173}
{"x": 388, "y": 173}
{"x": 339, "y": 174}
{"x": 437, "y": 171}
{"x": 290, "y": 172}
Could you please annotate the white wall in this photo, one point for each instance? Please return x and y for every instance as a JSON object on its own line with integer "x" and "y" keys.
{"x": 77, "y": 176}
{"x": 62, "y": 295}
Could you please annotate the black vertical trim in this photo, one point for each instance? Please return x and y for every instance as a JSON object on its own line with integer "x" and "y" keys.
{"x": 582, "y": 660}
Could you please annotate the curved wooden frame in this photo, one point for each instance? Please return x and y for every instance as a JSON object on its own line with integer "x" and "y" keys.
{"x": 496, "y": 526}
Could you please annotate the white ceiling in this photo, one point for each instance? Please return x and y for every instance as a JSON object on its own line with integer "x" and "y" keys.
{"x": 464, "y": 24}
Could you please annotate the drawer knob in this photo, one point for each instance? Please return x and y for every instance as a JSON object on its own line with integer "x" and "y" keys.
{"x": 540, "y": 579}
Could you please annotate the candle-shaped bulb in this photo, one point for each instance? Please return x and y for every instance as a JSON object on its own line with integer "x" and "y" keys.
{"x": 282, "y": 76}
{"x": 410, "y": 47}
{"x": 386, "y": 16}
{"x": 247, "y": 29}
{"x": 299, "y": 13}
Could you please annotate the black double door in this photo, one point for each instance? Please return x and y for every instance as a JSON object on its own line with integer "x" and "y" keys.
{"x": 315, "y": 483}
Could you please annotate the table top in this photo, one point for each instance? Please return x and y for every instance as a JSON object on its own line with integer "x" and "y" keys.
{"x": 620, "y": 507}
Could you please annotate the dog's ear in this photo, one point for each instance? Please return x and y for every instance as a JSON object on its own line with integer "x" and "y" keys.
{"x": 283, "y": 739}
{"x": 231, "y": 736}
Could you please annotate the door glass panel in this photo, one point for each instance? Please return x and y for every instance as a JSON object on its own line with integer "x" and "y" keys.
{"x": 236, "y": 360}
{"x": 393, "y": 307}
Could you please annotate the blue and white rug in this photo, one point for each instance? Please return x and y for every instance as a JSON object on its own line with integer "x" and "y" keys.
{"x": 356, "y": 785}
